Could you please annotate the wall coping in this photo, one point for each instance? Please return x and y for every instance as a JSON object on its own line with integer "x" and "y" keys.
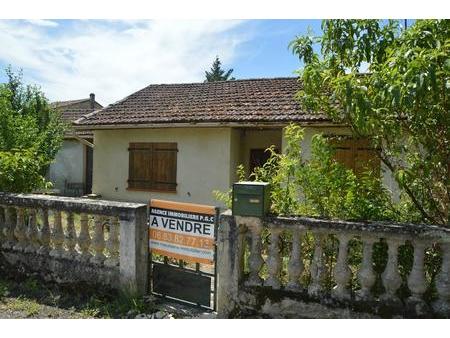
{"x": 72, "y": 204}
{"x": 392, "y": 228}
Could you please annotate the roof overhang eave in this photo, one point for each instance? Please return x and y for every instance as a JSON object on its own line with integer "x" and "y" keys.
{"x": 322, "y": 123}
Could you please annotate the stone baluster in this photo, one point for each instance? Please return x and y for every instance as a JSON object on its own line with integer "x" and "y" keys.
{"x": 98, "y": 242}
{"x": 32, "y": 233}
{"x": 255, "y": 260}
{"x": 342, "y": 272}
{"x": 20, "y": 229}
{"x": 112, "y": 245}
{"x": 44, "y": 234}
{"x": 391, "y": 277}
{"x": 317, "y": 268}
{"x": 442, "y": 305}
{"x": 274, "y": 259}
{"x": 366, "y": 275}
{"x": 84, "y": 239}
{"x": 10, "y": 221}
{"x": 57, "y": 235}
{"x": 70, "y": 236}
{"x": 295, "y": 266}
{"x": 416, "y": 280}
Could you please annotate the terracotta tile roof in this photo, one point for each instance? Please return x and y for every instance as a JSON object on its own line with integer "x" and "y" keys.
{"x": 72, "y": 110}
{"x": 60, "y": 104}
{"x": 71, "y": 115}
{"x": 254, "y": 100}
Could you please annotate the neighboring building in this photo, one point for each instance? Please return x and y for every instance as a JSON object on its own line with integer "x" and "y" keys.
{"x": 182, "y": 141}
{"x": 71, "y": 172}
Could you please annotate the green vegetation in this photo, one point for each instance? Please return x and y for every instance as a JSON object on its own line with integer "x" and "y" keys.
{"x": 31, "y": 297}
{"x": 31, "y": 133}
{"x": 216, "y": 73}
{"x": 320, "y": 186}
{"x": 29, "y": 307}
{"x": 401, "y": 103}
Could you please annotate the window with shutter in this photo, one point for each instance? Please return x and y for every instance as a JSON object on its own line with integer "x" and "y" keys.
{"x": 356, "y": 154}
{"x": 153, "y": 167}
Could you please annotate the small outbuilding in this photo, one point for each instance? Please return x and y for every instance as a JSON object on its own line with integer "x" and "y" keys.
{"x": 71, "y": 171}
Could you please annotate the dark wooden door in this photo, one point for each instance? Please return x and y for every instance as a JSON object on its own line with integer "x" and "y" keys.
{"x": 257, "y": 158}
{"x": 89, "y": 168}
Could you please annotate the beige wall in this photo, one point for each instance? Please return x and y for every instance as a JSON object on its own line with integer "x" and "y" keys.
{"x": 235, "y": 153}
{"x": 203, "y": 163}
{"x": 257, "y": 139}
{"x": 207, "y": 159}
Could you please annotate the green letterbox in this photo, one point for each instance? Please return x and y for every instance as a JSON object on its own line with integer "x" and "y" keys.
{"x": 251, "y": 199}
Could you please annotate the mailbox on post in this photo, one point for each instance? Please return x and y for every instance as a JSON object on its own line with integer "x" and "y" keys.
{"x": 251, "y": 199}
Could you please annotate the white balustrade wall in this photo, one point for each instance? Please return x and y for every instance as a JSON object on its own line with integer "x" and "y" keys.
{"x": 295, "y": 257}
{"x": 81, "y": 234}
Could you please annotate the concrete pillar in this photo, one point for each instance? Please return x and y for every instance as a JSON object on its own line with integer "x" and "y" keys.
{"x": 230, "y": 263}
{"x": 134, "y": 251}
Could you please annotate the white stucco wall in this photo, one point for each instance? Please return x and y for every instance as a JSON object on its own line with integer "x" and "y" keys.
{"x": 203, "y": 163}
{"x": 68, "y": 165}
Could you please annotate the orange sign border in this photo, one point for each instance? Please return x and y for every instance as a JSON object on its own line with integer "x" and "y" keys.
{"x": 181, "y": 206}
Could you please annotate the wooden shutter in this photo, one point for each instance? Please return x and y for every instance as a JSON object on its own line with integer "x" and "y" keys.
{"x": 344, "y": 153}
{"x": 140, "y": 163}
{"x": 152, "y": 166}
{"x": 365, "y": 157}
{"x": 164, "y": 167}
{"x": 356, "y": 154}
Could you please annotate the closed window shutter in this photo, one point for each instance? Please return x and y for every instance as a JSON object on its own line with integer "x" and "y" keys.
{"x": 365, "y": 157}
{"x": 344, "y": 153}
{"x": 152, "y": 166}
{"x": 356, "y": 154}
{"x": 165, "y": 166}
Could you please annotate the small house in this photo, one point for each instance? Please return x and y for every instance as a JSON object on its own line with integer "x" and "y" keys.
{"x": 183, "y": 141}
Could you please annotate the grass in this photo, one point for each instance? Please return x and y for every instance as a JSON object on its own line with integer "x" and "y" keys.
{"x": 29, "y": 307}
{"x": 32, "y": 297}
{"x": 117, "y": 308}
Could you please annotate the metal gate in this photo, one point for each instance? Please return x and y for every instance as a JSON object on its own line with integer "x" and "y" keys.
{"x": 182, "y": 257}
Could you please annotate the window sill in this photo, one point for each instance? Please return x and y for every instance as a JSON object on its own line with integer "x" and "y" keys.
{"x": 153, "y": 190}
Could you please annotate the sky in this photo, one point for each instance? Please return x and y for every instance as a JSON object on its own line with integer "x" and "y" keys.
{"x": 69, "y": 59}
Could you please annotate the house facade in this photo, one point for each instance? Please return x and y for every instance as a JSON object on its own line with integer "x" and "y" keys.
{"x": 183, "y": 141}
{"x": 71, "y": 171}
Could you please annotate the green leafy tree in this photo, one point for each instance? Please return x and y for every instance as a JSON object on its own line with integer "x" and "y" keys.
{"x": 31, "y": 133}
{"x": 216, "y": 73}
{"x": 401, "y": 102}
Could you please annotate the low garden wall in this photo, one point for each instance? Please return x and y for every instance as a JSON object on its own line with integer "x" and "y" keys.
{"x": 313, "y": 268}
{"x": 70, "y": 240}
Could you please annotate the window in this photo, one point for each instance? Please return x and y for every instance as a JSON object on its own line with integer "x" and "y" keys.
{"x": 153, "y": 166}
{"x": 356, "y": 154}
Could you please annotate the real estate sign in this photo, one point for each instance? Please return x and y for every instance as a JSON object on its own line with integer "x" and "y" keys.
{"x": 182, "y": 230}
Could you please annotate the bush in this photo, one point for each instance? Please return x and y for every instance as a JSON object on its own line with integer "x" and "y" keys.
{"x": 20, "y": 171}
{"x": 322, "y": 187}
{"x": 31, "y": 133}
